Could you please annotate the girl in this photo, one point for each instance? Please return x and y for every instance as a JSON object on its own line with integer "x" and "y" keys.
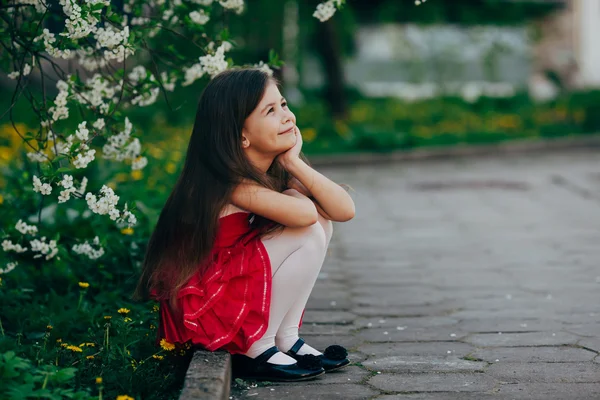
{"x": 240, "y": 242}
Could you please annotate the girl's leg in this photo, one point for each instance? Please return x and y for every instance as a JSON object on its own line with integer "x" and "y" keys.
{"x": 296, "y": 256}
{"x": 287, "y": 334}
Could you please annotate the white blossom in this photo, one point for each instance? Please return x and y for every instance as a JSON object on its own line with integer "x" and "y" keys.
{"x": 110, "y": 37}
{"x": 26, "y": 229}
{"x": 139, "y": 163}
{"x": 139, "y": 21}
{"x": 48, "y": 249}
{"x": 121, "y": 147}
{"x": 214, "y": 64}
{"x": 39, "y": 187}
{"x": 264, "y": 67}
{"x": 235, "y": 5}
{"x": 137, "y": 74}
{"x": 192, "y": 74}
{"x": 83, "y": 186}
{"x": 59, "y": 110}
{"x": 325, "y": 11}
{"x": 87, "y": 249}
{"x": 105, "y": 204}
{"x": 36, "y": 156}
{"x": 48, "y": 38}
{"x": 40, "y": 6}
{"x": 7, "y": 246}
{"x": 99, "y": 90}
{"x": 203, "y": 2}
{"x": 67, "y": 181}
{"x": 16, "y": 74}
{"x": 9, "y": 267}
{"x": 77, "y": 26}
{"x": 199, "y": 17}
{"x": 82, "y": 132}
{"x": 167, "y": 14}
{"x": 168, "y": 83}
{"x": 82, "y": 160}
{"x": 99, "y": 124}
{"x": 67, "y": 184}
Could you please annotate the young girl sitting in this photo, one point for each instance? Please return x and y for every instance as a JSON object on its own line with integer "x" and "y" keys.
{"x": 240, "y": 242}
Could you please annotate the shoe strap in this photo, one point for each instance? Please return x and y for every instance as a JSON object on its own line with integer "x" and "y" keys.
{"x": 296, "y": 347}
{"x": 264, "y": 357}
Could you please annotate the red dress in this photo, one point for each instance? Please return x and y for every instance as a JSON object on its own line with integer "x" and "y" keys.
{"x": 228, "y": 306}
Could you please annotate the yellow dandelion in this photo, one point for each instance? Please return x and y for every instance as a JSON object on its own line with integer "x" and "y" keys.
{"x": 156, "y": 356}
{"x": 74, "y": 349}
{"x": 171, "y": 168}
{"x": 107, "y": 317}
{"x": 90, "y": 357}
{"x": 84, "y": 285}
{"x": 98, "y": 380}
{"x": 127, "y": 319}
{"x": 64, "y": 344}
{"x": 127, "y": 231}
{"x": 123, "y": 311}
{"x": 49, "y": 327}
{"x": 59, "y": 340}
{"x": 124, "y": 397}
{"x": 87, "y": 344}
{"x": 1, "y": 199}
{"x": 155, "y": 308}
{"x": 137, "y": 175}
{"x": 166, "y": 345}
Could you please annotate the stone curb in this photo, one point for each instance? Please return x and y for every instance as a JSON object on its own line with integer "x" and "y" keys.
{"x": 521, "y": 146}
{"x": 208, "y": 376}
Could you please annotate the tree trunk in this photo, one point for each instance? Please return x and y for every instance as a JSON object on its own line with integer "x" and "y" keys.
{"x": 330, "y": 53}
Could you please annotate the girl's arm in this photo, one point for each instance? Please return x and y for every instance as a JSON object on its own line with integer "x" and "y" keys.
{"x": 300, "y": 188}
{"x": 329, "y": 196}
{"x": 286, "y": 209}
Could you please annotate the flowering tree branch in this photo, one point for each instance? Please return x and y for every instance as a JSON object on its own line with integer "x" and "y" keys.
{"x": 99, "y": 42}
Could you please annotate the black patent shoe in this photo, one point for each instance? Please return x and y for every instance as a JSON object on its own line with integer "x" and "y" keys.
{"x": 335, "y": 357}
{"x": 259, "y": 369}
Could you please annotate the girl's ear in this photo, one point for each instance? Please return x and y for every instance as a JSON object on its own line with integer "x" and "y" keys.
{"x": 245, "y": 142}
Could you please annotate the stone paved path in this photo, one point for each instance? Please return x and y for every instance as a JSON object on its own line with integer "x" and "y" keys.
{"x": 464, "y": 279}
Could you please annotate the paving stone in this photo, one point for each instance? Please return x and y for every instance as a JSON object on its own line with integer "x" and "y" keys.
{"x": 550, "y": 391}
{"x": 329, "y": 303}
{"x": 410, "y": 335}
{"x": 446, "y": 396}
{"x": 590, "y": 343}
{"x": 420, "y": 322}
{"x": 471, "y": 259}
{"x": 522, "y": 339}
{"x": 328, "y": 317}
{"x": 320, "y": 342}
{"x": 546, "y": 372}
{"x": 533, "y": 354}
{"x": 504, "y": 313}
{"x": 320, "y": 329}
{"x": 591, "y": 330}
{"x": 438, "y": 349}
{"x": 405, "y": 364}
{"x": 509, "y": 325}
{"x": 310, "y": 392}
{"x": 440, "y": 309}
{"x": 433, "y": 382}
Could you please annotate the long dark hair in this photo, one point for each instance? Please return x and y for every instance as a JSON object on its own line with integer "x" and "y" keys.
{"x": 215, "y": 163}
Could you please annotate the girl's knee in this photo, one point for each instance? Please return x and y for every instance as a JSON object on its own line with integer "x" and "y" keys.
{"x": 327, "y": 226}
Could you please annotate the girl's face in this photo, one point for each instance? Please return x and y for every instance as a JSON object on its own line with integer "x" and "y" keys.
{"x": 269, "y": 129}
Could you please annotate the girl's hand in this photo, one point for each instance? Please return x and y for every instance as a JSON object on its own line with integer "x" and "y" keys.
{"x": 292, "y": 155}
